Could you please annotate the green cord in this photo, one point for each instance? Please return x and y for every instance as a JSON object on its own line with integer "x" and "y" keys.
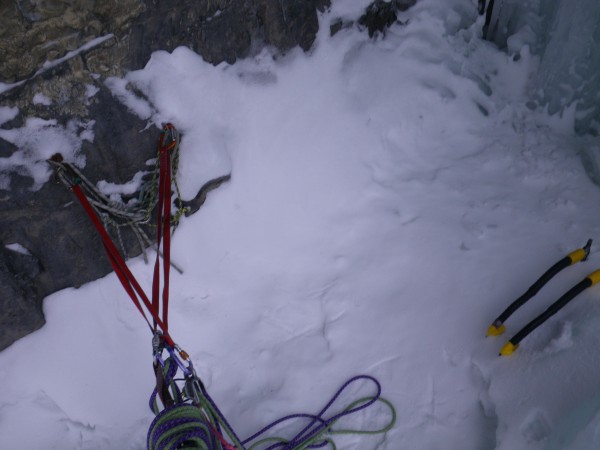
{"x": 169, "y": 437}
{"x": 385, "y": 429}
{"x": 329, "y": 431}
{"x": 205, "y": 416}
{"x": 150, "y": 191}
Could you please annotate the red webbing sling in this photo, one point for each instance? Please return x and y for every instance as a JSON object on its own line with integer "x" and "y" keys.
{"x": 127, "y": 279}
{"x": 163, "y": 222}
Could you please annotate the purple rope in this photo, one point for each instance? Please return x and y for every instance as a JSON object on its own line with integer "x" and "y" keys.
{"x": 306, "y": 433}
{"x": 316, "y": 425}
{"x": 169, "y": 375}
{"x": 220, "y": 415}
{"x": 299, "y": 438}
{"x": 283, "y": 419}
{"x": 198, "y": 430}
{"x": 194, "y": 434}
{"x": 158, "y": 431}
{"x": 152, "y": 399}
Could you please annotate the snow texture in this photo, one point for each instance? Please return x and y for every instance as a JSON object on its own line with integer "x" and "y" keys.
{"x": 389, "y": 198}
{"x": 37, "y": 141}
{"x": 116, "y": 191}
{"x": 7, "y": 114}
{"x": 136, "y": 105}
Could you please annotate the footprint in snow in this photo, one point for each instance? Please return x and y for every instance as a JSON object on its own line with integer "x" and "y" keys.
{"x": 536, "y": 426}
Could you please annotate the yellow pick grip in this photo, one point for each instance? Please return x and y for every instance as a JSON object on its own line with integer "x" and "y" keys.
{"x": 577, "y": 255}
{"x": 508, "y": 349}
{"x": 493, "y": 330}
{"x": 594, "y": 277}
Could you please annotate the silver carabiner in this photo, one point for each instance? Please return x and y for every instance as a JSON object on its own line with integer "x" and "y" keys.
{"x": 193, "y": 389}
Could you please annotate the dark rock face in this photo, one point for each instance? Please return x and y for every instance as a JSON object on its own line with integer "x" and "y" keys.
{"x": 21, "y": 306}
{"x": 380, "y": 15}
{"x": 224, "y": 30}
{"x": 52, "y": 226}
{"x": 35, "y": 31}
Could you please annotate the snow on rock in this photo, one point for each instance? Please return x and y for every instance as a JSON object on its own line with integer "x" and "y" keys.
{"x": 118, "y": 87}
{"x": 16, "y": 247}
{"x": 389, "y": 198}
{"x": 41, "y": 99}
{"x": 7, "y": 114}
{"x": 38, "y": 140}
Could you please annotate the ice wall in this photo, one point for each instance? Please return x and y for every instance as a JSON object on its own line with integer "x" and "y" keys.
{"x": 570, "y": 63}
{"x": 565, "y": 35}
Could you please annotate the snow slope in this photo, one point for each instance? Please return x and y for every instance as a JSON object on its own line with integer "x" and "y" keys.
{"x": 388, "y": 200}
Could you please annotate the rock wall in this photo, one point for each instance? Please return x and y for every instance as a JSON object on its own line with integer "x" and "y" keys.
{"x": 35, "y": 31}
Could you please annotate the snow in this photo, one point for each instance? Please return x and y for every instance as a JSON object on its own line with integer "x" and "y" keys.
{"x": 388, "y": 200}
{"x": 37, "y": 140}
{"x": 16, "y": 247}
{"x": 115, "y": 191}
{"x": 7, "y": 114}
{"x": 41, "y": 99}
{"x": 91, "y": 90}
{"x": 139, "y": 106}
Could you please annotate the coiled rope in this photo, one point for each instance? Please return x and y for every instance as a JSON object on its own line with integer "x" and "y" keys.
{"x": 193, "y": 420}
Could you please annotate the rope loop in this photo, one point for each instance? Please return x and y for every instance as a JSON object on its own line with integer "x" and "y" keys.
{"x": 180, "y": 426}
{"x": 193, "y": 419}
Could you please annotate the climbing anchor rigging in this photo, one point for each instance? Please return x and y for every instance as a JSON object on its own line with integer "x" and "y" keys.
{"x": 190, "y": 419}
